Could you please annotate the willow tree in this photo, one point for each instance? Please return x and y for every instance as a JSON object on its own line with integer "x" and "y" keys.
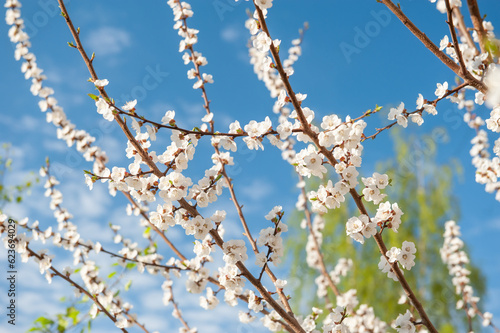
{"x": 426, "y": 196}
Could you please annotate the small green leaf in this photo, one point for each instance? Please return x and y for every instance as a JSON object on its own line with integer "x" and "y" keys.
{"x": 94, "y": 97}
{"x": 73, "y": 313}
{"x": 111, "y": 275}
{"x": 146, "y": 233}
{"x": 128, "y": 285}
{"x": 44, "y": 321}
{"x": 130, "y": 265}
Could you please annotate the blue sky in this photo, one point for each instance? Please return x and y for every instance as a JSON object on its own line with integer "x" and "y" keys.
{"x": 136, "y": 49}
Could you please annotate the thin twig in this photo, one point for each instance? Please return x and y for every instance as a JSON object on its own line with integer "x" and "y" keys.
{"x": 434, "y": 102}
{"x": 76, "y": 285}
{"x": 290, "y": 319}
{"x": 228, "y": 180}
{"x": 317, "y": 247}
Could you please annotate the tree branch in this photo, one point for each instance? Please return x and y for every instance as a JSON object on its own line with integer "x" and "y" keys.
{"x": 432, "y": 47}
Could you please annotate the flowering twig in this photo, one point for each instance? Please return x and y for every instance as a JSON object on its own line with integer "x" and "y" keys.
{"x": 289, "y": 318}
{"x": 434, "y": 103}
{"x": 322, "y": 265}
{"x": 76, "y": 285}
{"x": 454, "y": 256}
{"x": 228, "y": 180}
{"x": 357, "y": 198}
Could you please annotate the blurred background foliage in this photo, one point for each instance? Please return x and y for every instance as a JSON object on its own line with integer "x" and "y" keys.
{"x": 12, "y": 193}
{"x": 424, "y": 192}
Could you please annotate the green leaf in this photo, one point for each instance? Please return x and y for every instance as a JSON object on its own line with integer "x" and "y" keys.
{"x": 146, "y": 233}
{"x": 130, "y": 265}
{"x": 73, "y": 313}
{"x": 94, "y": 97}
{"x": 44, "y": 321}
{"x": 128, "y": 285}
{"x": 111, "y": 275}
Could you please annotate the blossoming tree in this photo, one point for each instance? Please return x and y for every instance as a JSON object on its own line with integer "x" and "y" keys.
{"x": 164, "y": 195}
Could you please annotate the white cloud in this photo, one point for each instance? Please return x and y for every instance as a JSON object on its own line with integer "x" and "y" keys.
{"x": 159, "y": 108}
{"x": 114, "y": 148}
{"x": 230, "y": 34}
{"x": 108, "y": 40}
{"x": 257, "y": 190}
{"x": 83, "y": 203}
{"x": 55, "y": 76}
{"x": 192, "y": 108}
{"x": 53, "y": 145}
{"x": 26, "y": 124}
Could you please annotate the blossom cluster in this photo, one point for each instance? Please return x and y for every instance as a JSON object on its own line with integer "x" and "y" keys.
{"x": 55, "y": 114}
{"x": 456, "y": 258}
{"x": 330, "y": 145}
{"x": 405, "y": 256}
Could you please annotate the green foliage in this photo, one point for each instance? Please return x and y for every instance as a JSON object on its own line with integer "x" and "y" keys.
{"x": 13, "y": 193}
{"x": 69, "y": 320}
{"x": 423, "y": 190}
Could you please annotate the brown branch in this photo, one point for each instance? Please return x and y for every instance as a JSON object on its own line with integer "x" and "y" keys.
{"x": 477, "y": 21}
{"x": 317, "y": 247}
{"x": 206, "y": 105}
{"x": 289, "y": 318}
{"x": 155, "y": 228}
{"x": 463, "y": 69}
{"x": 463, "y": 29}
{"x": 331, "y": 159}
{"x": 133, "y": 320}
{"x": 432, "y": 47}
{"x": 434, "y": 102}
{"x": 179, "y": 313}
{"x": 76, "y": 285}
